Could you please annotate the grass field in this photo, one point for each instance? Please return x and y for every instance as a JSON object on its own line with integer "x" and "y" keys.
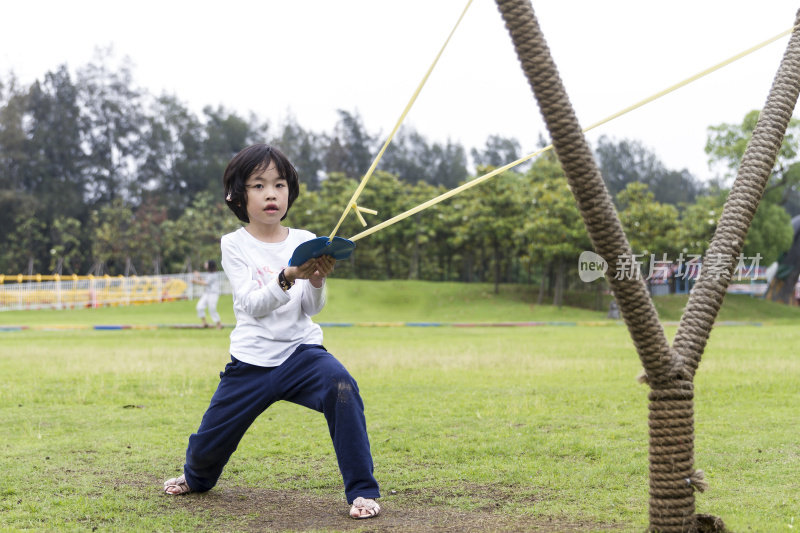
{"x": 483, "y": 429}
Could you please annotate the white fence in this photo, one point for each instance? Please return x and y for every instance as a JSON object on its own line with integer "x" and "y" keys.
{"x": 69, "y": 292}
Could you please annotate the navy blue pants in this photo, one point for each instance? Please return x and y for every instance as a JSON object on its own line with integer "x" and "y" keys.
{"x": 311, "y": 377}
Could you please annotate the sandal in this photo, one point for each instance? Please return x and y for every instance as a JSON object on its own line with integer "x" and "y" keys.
{"x": 177, "y": 486}
{"x": 364, "y": 508}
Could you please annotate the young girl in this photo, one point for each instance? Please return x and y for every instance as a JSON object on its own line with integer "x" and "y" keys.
{"x": 276, "y": 350}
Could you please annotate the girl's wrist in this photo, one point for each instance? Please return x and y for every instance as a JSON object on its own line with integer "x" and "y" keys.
{"x": 284, "y": 281}
{"x": 290, "y": 273}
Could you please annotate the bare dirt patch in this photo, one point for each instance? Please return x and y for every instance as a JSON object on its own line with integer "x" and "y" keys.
{"x": 250, "y": 510}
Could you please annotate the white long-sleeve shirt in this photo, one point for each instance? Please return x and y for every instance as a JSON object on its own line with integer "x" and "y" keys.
{"x": 270, "y": 322}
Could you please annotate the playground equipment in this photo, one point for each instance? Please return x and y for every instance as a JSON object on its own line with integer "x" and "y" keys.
{"x": 669, "y": 370}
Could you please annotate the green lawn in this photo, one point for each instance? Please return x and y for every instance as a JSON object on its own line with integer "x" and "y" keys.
{"x": 531, "y": 426}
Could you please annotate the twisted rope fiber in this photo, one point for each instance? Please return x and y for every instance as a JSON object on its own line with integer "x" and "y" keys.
{"x": 754, "y": 171}
{"x": 594, "y": 202}
{"x": 673, "y": 480}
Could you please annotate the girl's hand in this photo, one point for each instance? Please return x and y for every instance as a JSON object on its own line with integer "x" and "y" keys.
{"x": 314, "y": 270}
{"x": 324, "y": 266}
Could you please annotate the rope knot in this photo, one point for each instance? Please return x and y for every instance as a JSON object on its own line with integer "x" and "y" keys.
{"x": 697, "y": 481}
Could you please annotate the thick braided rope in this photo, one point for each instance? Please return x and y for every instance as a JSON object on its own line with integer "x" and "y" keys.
{"x": 594, "y": 202}
{"x": 722, "y": 255}
{"x": 671, "y": 402}
{"x": 673, "y": 479}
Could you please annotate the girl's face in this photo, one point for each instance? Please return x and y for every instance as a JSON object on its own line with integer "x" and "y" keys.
{"x": 267, "y": 196}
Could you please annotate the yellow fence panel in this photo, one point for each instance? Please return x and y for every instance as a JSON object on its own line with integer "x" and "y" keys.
{"x": 68, "y": 292}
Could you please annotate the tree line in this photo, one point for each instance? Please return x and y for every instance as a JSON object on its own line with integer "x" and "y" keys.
{"x": 101, "y": 176}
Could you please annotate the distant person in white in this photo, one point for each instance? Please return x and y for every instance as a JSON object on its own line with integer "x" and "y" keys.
{"x": 208, "y": 301}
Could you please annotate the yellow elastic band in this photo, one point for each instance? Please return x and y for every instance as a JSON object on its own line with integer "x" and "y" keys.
{"x": 448, "y": 194}
{"x": 691, "y": 79}
{"x": 486, "y": 177}
{"x": 366, "y": 177}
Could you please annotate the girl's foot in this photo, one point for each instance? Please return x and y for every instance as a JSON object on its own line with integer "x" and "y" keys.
{"x": 364, "y": 508}
{"x": 176, "y": 486}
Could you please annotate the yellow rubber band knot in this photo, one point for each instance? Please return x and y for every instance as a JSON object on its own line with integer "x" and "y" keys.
{"x": 360, "y": 210}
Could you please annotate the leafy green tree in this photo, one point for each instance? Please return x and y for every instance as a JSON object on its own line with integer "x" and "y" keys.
{"x": 423, "y": 233}
{"x": 675, "y": 187}
{"x": 66, "y": 237}
{"x": 726, "y": 144}
{"x": 383, "y": 254}
{"x": 408, "y": 156}
{"x": 112, "y": 110}
{"x": 454, "y": 252}
{"x": 629, "y": 161}
{"x": 112, "y": 237}
{"x": 770, "y": 234}
{"x": 350, "y": 149}
{"x": 173, "y": 159}
{"x": 13, "y": 138}
{"x": 413, "y": 159}
{"x": 495, "y": 212}
{"x": 553, "y": 233}
{"x": 449, "y": 164}
{"x": 497, "y": 151}
{"x": 698, "y": 222}
{"x": 321, "y": 210}
{"x": 226, "y": 133}
{"x": 147, "y": 241}
{"x": 15, "y": 209}
{"x": 195, "y": 236}
{"x": 648, "y": 224}
{"x": 54, "y": 161}
{"x": 304, "y": 149}
{"x": 625, "y": 162}
{"x": 27, "y": 249}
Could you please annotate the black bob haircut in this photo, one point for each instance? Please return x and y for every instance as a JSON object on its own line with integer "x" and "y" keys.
{"x": 253, "y": 159}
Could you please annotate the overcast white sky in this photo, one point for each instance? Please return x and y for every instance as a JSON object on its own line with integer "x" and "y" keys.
{"x": 311, "y": 57}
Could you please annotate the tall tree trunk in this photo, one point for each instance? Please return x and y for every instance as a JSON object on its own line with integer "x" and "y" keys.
{"x": 387, "y": 260}
{"x": 558, "y": 296}
{"x": 413, "y": 264}
{"x": 598, "y": 295}
{"x": 467, "y": 267}
{"x": 544, "y": 274}
{"x": 496, "y": 267}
